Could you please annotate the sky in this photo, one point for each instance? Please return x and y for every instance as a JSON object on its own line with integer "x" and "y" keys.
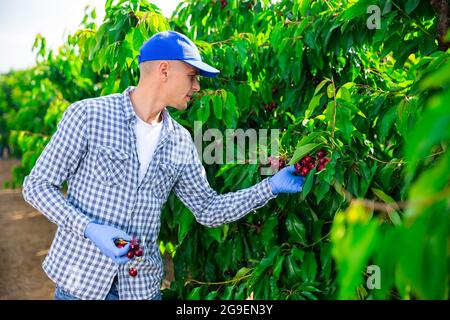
{"x": 21, "y": 20}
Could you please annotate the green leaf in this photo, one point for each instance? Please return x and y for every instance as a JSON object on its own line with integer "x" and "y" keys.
{"x": 303, "y": 6}
{"x": 394, "y": 216}
{"x": 354, "y": 237}
{"x": 308, "y": 183}
{"x": 211, "y": 296}
{"x": 296, "y": 228}
{"x": 344, "y": 123}
{"x": 320, "y": 191}
{"x": 292, "y": 269}
{"x": 438, "y": 78}
{"x": 203, "y": 111}
{"x": 230, "y": 116}
{"x": 302, "y": 151}
{"x": 344, "y": 94}
{"x": 278, "y": 267}
{"x": 313, "y": 104}
{"x": 429, "y": 183}
{"x": 320, "y": 86}
{"x": 266, "y": 262}
{"x": 244, "y": 95}
{"x": 194, "y": 294}
{"x": 298, "y": 254}
{"x": 228, "y": 293}
{"x": 225, "y": 168}
{"x": 325, "y": 260}
{"x": 216, "y": 233}
{"x": 138, "y": 39}
{"x": 435, "y": 122}
{"x": 185, "y": 224}
{"x": 411, "y": 5}
{"x": 359, "y": 9}
{"x": 242, "y": 272}
{"x": 240, "y": 293}
{"x": 330, "y": 91}
{"x": 309, "y": 295}
{"x": 268, "y": 231}
{"x": 316, "y": 136}
{"x": 217, "y": 106}
{"x": 383, "y": 196}
{"x": 387, "y": 122}
{"x": 309, "y": 267}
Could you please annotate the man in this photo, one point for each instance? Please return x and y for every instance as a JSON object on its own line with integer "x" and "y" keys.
{"x": 122, "y": 154}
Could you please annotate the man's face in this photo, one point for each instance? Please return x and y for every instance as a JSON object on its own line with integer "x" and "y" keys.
{"x": 182, "y": 83}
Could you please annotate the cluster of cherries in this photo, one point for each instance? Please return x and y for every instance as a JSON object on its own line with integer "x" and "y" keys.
{"x": 135, "y": 251}
{"x": 305, "y": 165}
{"x": 277, "y": 163}
{"x": 223, "y": 4}
{"x": 271, "y": 106}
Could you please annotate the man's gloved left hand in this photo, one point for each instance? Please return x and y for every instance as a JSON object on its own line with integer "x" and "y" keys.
{"x": 285, "y": 181}
{"x": 103, "y": 237}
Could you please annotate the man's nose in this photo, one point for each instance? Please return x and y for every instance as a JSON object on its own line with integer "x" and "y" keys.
{"x": 196, "y": 85}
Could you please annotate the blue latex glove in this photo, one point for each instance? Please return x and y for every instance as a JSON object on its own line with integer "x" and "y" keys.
{"x": 285, "y": 181}
{"x": 103, "y": 237}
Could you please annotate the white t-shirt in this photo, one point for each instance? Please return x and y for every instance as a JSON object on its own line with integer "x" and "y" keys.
{"x": 147, "y": 136}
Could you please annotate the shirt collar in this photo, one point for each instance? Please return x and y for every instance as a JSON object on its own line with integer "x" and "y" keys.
{"x": 130, "y": 114}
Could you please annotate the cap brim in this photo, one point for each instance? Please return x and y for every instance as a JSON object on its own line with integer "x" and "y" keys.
{"x": 203, "y": 69}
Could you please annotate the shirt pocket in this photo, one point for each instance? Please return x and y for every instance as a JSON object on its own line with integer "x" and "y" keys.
{"x": 164, "y": 179}
{"x": 111, "y": 165}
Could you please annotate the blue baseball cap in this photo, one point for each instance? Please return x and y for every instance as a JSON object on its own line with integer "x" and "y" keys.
{"x": 172, "y": 45}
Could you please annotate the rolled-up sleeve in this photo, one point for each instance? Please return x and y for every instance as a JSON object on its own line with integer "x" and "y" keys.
{"x": 56, "y": 164}
{"x": 210, "y": 208}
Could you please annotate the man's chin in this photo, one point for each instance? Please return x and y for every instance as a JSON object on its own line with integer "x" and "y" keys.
{"x": 180, "y": 107}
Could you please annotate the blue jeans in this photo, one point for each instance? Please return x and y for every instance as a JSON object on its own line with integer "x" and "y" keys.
{"x": 60, "y": 294}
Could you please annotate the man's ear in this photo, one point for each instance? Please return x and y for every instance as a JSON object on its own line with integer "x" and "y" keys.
{"x": 163, "y": 70}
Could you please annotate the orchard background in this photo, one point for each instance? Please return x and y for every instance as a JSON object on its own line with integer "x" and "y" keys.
{"x": 372, "y": 225}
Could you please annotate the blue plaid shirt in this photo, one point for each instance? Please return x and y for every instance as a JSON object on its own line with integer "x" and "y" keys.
{"x": 94, "y": 150}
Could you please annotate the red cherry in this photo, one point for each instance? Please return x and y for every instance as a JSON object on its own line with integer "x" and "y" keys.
{"x": 321, "y": 153}
{"x": 130, "y": 254}
{"x": 139, "y": 252}
{"x": 308, "y": 159}
{"x": 276, "y": 163}
{"x": 272, "y": 162}
{"x": 134, "y": 246}
{"x": 298, "y": 168}
{"x": 304, "y": 171}
{"x": 311, "y": 165}
{"x": 320, "y": 168}
{"x": 133, "y": 272}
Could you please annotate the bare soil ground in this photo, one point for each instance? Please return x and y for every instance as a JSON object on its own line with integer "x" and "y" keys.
{"x": 26, "y": 236}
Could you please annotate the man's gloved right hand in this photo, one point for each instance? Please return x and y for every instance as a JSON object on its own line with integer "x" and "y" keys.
{"x": 103, "y": 237}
